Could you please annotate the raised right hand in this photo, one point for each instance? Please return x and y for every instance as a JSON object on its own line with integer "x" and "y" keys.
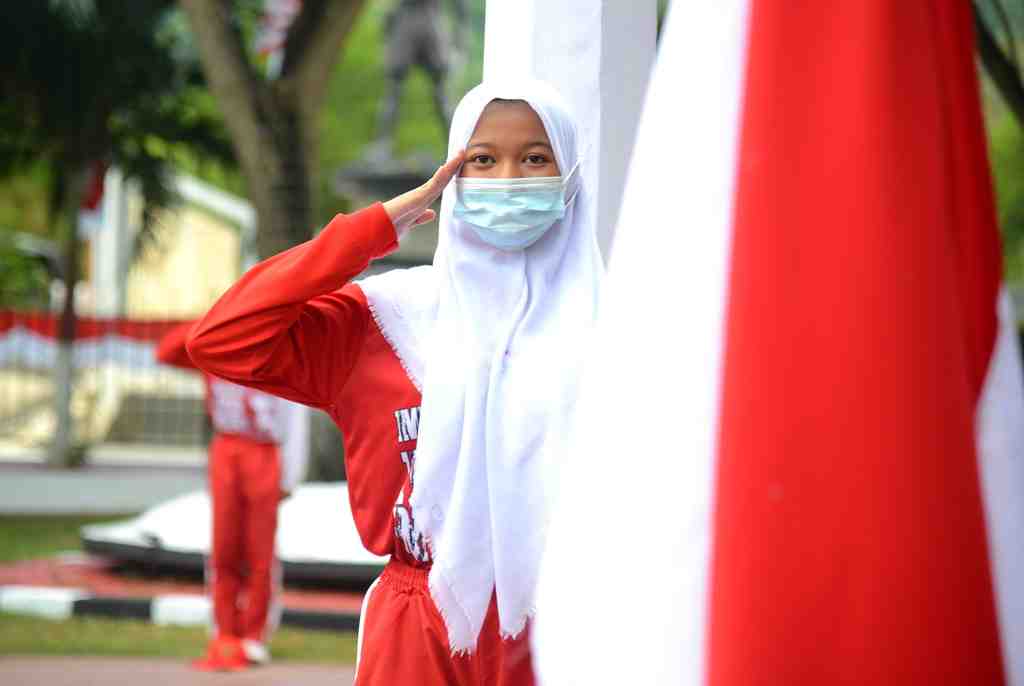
{"x": 413, "y": 207}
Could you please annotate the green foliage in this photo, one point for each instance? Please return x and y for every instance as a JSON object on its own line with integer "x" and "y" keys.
{"x": 1006, "y": 150}
{"x": 1005, "y": 20}
{"x": 100, "y": 81}
{"x": 348, "y": 117}
{"x": 85, "y": 82}
{"x": 356, "y": 94}
{"x": 24, "y": 278}
{"x": 181, "y": 126}
{"x": 199, "y": 111}
{"x": 992, "y": 12}
{"x": 25, "y": 282}
{"x": 21, "y": 635}
{"x": 23, "y": 201}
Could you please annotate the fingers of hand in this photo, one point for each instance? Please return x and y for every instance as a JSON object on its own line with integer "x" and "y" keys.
{"x": 453, "y": 165}
{"x": 427, "y": 216}
{"x": 415, "y": 203}
{"x": 444, "y": 174}
{"x": 411, "y": 204}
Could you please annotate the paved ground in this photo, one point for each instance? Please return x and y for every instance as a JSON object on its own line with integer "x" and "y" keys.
{"x": 114, "y": 454}
{"x": 105, "y": 671}
{"x": 98, "y": 489}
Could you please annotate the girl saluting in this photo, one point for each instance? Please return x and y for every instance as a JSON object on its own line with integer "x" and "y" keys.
{"x": 452, "y": 383}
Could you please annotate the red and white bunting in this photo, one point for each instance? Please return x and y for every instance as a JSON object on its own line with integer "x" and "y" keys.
{"x": 29, "y": 340}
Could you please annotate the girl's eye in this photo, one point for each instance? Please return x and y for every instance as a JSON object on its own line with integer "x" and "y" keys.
{"x": 536, "y": 159}
{"x": 483, "y": 159}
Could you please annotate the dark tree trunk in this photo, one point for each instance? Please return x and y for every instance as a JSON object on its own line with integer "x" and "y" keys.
{"x": 273, "y": 123}
{"x": 283, "y": 190}
{"x": 64, "y": 452}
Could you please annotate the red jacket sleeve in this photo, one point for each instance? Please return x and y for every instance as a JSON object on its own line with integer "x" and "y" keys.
{"x": 171, "y": 349}
{"x": 287, "y": 327}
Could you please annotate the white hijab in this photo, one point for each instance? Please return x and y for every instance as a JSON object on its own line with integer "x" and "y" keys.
{"x": 494, "y": 341}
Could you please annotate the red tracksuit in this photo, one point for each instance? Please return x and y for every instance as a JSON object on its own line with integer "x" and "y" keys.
{"x": 294, "y": 326}
{"x": 245, "y": 483}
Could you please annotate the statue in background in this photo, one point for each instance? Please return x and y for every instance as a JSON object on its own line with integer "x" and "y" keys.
{"x": 416, "y": 37}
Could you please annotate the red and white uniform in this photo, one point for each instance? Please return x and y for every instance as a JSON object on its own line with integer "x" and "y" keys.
{"x": 294, "y": 326}
{"x": 255, "y": 456}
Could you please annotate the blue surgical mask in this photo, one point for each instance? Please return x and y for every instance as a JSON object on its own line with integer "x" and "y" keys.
{"x": 513, "y": 214}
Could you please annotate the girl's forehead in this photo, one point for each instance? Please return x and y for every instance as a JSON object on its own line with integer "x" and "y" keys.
{"x": 508, "y": 121}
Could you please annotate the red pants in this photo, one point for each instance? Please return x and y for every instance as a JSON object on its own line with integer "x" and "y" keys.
{"x": 402, "y": 640}
{"x": 245, "y": 478}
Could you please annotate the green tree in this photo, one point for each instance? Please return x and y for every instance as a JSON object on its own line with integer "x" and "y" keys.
{"x": 995, "y": 23}
{"x": 998, "y": 24}
{"x": 274, "y": 122}
{"x": 85, "y": 82}
{"x": 25, "y": 279}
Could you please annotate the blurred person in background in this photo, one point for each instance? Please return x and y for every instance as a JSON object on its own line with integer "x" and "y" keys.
{"x": 255, "y": 461}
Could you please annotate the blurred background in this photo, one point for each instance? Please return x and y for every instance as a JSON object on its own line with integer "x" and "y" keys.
{"x": 125, "y": 171}
{"x": 149, "y": 152}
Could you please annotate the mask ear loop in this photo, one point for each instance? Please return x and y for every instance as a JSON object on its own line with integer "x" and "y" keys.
{"x": 571, "y": 184}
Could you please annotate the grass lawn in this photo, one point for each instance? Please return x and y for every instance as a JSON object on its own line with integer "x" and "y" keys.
{"x": 29, "y": 537}
{"x": 21, "y": 635}
{"x": 26, "y": 537}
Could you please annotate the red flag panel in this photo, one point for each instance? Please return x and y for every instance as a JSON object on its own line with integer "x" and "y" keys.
{"x": 849, "y": 534}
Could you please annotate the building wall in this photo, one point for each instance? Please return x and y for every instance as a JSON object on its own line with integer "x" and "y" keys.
{"x": 193, "y": 259}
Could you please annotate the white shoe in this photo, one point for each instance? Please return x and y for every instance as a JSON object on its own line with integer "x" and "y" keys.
{"x": 255, "y": 652}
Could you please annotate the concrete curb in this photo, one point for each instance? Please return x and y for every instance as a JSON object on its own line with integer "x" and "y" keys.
{"x": 162, "y": 610}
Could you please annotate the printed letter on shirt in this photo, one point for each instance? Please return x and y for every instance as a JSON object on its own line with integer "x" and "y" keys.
{"x": 407, "y": 424}
{"x": 408, "y": 421}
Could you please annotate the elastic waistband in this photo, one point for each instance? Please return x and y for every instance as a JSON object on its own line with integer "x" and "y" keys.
{"x": 403, "y": 577}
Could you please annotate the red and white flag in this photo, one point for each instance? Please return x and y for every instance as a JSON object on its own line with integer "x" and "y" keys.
{"x": 799, "y": 450}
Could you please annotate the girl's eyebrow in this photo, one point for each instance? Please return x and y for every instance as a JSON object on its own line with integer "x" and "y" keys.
{"x": 531, "y": 144}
